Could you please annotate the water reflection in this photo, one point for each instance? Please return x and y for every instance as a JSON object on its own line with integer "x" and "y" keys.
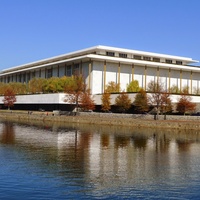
{"x": 107, "y": 157}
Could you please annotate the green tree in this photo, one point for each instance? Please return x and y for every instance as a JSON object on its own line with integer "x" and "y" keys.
{"x": 106, "y": 102}
{"x": 133, "y": 86}
{"x": 37, "y": 85}
{"x": 18, "y": 88}
{"x": 112, "y": 87}
{"x": 174, "y": 89}
{"x": 141, "y": 101}
{"x": 123, "y": 102}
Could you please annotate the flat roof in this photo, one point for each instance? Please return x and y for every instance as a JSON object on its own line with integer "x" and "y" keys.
{"x": 80, "y": 53}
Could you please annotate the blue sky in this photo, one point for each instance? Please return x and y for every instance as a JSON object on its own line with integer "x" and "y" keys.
{"x": 31, "y": 30}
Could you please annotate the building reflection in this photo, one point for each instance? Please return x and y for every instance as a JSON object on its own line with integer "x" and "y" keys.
{"x": 106, "y": 156}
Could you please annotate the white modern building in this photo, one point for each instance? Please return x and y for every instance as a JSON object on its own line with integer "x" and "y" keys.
{"x": 100, "y": 65}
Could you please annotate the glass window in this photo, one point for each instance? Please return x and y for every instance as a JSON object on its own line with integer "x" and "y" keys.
{"x": 110, "y": 53}
{"x": 69, "y": 70}
{"x": 156, "y": 59}
{"x": 76, "y": 69}
{"x": 122, "y": 55}
{"x": 137, "y": 57}
{"x": 179, "y": 62}
{"x": 146, "y": 58}
{"x": 168, "y": 61}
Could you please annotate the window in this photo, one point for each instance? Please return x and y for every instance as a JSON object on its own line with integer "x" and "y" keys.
{"x": 76, "y": 69}
{"x": 137, "y": 57}
{"x": 69, "y": 70}
{"x": 20, "y": 78}
{"x": 110, "y": 53}
{"x": 168, "y": 61}
{"x": 179, "y": 62}
{"x": 49, "y": 73}
{"x": 156, "y": 59}
{"x": 122, "y": 55}
{"x": 146, "y": 58}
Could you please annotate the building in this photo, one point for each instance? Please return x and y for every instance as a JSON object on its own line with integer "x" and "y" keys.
{"x": 100, "y": 65}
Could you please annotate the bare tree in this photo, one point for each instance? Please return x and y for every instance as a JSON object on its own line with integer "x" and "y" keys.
{"x": 159, "y": 98}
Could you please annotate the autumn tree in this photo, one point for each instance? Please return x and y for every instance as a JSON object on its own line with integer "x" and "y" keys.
{"x": 18, "y": 88}
{"x": 185, "y": 103}
{"x": 74, "y": 89}
{"x": 37, "y": 85}
{"x": 9, "y": 97}
{"x": 133, "y": 86}
{"x": 157, "y": 94}
{"x": 112, "y": 87}
{"x": 123, "y": 102}
{"x": 106, "y": 102}
{"x": 166, "y": 103}
{"x": 86, "y": 101}
{"x": 141, "y": 101}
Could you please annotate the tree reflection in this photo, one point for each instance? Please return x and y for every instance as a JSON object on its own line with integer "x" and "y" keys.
{"x": 121, "y": 141}
{"x": 8, "y": 133}
{"x": 183, "y": 145}
{"x": 104, "y": 140}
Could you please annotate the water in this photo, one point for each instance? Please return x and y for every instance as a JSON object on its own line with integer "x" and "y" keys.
{"x": 44, "y": 161}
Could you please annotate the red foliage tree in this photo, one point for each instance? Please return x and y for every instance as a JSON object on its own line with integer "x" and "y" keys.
{"x": 9, "y": 97}
{"x": 185, "y": 103}
{"x": 86, "y": 101}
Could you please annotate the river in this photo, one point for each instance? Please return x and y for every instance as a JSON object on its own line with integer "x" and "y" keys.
{"x": 56, "y": 161}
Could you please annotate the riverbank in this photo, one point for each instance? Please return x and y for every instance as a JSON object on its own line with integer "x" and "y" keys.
{"x": 125, "y": 120}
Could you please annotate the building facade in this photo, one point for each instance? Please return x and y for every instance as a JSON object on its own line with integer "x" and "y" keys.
{"x": 100, "y": 65}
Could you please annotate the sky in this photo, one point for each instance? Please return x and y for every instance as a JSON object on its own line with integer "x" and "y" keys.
{"x": 31, "y": 30}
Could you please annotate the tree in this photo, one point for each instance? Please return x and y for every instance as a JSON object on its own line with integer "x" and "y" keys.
{"x": 74, "y": 89}
{"x": 112, "y": 87}
{"x": 158, "y": 95}
{"x": 123, "y": 102}
{"x": 9, "y": 97}
{"x": 133, "y": 86}
{"x": 141, "y": 101}
{"x": 86, "y": 101}
{"x": 106, "y": 102}
{"x": 37, "y": 85}
{"x": 185, "y": 103}
{"x": 18, "y": 88}
{"x": 174, "y": 89}
{"x": 166, "y": 103}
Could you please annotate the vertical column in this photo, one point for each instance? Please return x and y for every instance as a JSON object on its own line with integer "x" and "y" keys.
{"x": 132, "y": 76}
{"x": 181, "y": 80}
{"x": 158, "y": 75}
{"x": 145, "y": 78}
{"x": 73, "y": 69}
{"x": 89, "y": 81}
{"x": 45, "y": 72}
{"x": 191, "y": 83}
{"x": 58, "y": 71}
{"x": 169, "y": 83}
{"x": 104, "y": 77}
{"x": 118, "y": 79}
{"x": 65, "y": 69}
